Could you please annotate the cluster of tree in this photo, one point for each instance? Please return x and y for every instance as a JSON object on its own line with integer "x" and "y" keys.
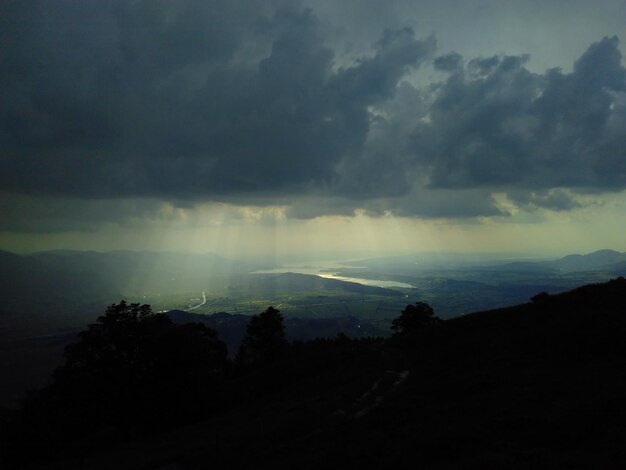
{"x": 136, "y": 371}
{"x": 265, "y": 340}
{"x": 414, "y": 318}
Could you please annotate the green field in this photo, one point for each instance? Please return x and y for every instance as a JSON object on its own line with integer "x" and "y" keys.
{"x": 319, "y": 304}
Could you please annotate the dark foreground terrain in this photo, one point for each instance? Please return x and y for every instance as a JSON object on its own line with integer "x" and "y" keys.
{"x": 539, "y": 385}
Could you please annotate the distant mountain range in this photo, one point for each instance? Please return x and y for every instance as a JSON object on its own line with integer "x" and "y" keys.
{"x": 601, "y": 259}
{"x": 611, "y": 261}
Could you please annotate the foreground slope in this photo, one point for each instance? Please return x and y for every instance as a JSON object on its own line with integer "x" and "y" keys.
{"x": 539, "y": 385}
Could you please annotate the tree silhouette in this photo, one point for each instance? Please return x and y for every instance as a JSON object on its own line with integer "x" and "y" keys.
{"x": 265, "y": 339}
{"x": 414, "y": 317}
{"x": 540, "y": 297}
{"x": 134, "y": 368}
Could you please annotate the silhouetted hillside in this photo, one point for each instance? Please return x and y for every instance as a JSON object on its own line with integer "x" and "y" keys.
{"x": 231, "y": 328}
{"x": 538, "y": 385}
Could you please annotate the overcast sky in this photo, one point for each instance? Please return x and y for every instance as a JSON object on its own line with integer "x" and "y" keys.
{"x": 260, "y": 127}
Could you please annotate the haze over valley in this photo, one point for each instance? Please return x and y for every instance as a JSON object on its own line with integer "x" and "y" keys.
{"x": 50, "y": 296}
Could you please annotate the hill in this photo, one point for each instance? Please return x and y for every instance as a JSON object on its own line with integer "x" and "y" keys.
{"x": 538, "y": 385}
{"x": 610, "y": 260}
{"x": 232, "y": 327}
{"x": 597, "y": 260}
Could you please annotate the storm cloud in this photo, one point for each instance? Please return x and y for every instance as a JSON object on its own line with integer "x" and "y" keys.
{"x": 140, "y": 101}
{"x": 494, "y": 124}
{"x": 235, "y": 101}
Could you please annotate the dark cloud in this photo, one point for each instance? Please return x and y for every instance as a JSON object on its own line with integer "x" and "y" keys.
{"x": 385, "y": 166}
{"x": 440, "y": 203}
{"x": 139, "y": 99}
{"x": 34, "y": 214}
{"x": 476, "y": 134}
{"x": 248, "y": 101}
{"x": 451, "y": 62}
{"x": 311, "y": 207}
{"x": 553, "y": 199}
{"x": 427, "y": 204}
{"x": 497, "y": 125}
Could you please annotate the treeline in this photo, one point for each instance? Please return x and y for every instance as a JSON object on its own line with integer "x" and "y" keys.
{"x": 134, "y": 372}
